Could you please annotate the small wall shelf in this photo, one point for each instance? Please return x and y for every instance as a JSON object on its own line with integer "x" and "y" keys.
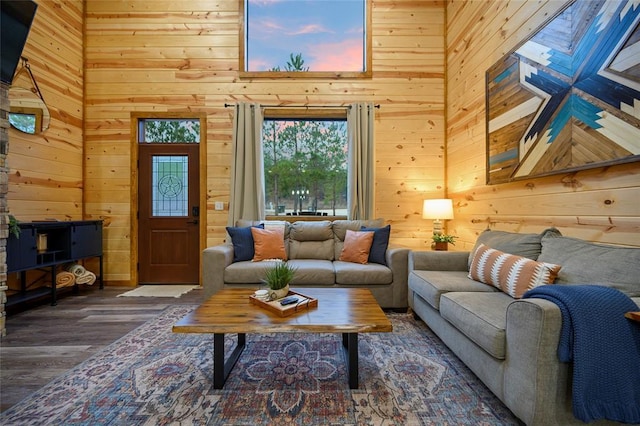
{"x": 66, "y": 242}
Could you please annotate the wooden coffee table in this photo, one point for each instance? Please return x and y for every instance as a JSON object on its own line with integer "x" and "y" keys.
{"x": 340, "y": 310}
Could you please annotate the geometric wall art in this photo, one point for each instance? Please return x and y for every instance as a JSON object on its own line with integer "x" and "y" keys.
{"x": 567, "y": 98}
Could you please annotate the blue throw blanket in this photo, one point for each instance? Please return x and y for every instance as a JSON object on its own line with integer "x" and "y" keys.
{"x": 604, "y": 347}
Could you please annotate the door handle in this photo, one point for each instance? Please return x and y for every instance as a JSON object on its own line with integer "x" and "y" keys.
{"x": 195, "y": 221}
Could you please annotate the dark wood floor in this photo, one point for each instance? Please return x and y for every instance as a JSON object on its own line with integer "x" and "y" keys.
{"x": 46, "y": 341}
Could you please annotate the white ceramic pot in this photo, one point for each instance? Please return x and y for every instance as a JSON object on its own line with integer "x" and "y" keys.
{"x": 278, "y": 294}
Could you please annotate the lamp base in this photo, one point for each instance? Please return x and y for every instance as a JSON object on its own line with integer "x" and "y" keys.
{"x": 437, "y": 227}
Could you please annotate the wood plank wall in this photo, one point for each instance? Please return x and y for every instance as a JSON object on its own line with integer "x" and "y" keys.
{"x": 46, "y": 171}
{"x": 154, "y": 56}
{"x": 599, "y": 205}
{"x": 183, "y": 56}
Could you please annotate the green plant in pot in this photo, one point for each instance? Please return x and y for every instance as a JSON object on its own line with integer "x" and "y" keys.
{"x": 14, "y": 228}
{"x": 278, "y": 279}
{"x": 441, "y": 241}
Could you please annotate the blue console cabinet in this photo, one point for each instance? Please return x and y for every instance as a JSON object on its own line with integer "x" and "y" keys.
{"x": 49, "y": 245}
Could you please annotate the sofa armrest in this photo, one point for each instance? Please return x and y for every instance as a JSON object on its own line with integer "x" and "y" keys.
{"x": 214, "y": 261}
{"x": 397, "y": 260}
{"x": 439, "y": 260}
{"x": 536, "y": 384}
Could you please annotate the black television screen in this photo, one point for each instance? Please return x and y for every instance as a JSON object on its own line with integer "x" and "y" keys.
{"x": 15, "y": 20}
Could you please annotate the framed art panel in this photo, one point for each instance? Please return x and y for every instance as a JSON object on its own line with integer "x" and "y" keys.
{"x": 568, "y": 98}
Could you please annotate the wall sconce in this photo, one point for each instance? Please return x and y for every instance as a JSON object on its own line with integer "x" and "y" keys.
{"x": 437, "y": 209}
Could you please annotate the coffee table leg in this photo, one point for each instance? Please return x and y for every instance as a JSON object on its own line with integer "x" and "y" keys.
{"x": 221, "y": 369}
{"x": 350, "y": 342}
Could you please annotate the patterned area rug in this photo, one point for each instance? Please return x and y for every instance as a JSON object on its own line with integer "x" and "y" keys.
{"x": 155, "y": 377}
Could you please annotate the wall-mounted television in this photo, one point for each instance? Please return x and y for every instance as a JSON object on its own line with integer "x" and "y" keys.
{"x": 15, "y": 20}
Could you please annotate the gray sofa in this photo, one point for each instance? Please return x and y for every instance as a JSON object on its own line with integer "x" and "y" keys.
{"x": 313, "y": 247}
{"x": 511, "y": 344}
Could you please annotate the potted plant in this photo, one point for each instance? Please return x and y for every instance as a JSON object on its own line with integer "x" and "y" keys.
{"x": 278, "y": 279}
{"x": 14, "y": 228}
{"x": 441, "y": 241}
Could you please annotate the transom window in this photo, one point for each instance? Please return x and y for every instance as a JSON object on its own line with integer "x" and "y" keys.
{"x": 168, "y": 130}
{"x": 305, "y": 164}
{"x": 311, "y": 38}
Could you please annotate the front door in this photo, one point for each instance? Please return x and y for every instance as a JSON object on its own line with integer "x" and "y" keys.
{"x": 169, "y": 211}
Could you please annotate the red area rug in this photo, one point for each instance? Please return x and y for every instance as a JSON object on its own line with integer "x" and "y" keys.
{"x": 155, "y": 377}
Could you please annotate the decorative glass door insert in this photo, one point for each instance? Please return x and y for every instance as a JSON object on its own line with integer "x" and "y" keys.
{"x": 170, "y": 185}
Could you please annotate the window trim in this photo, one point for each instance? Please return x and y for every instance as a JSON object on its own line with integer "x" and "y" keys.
{"x": 366, "y": 74}
{"x": 309, "y": 113}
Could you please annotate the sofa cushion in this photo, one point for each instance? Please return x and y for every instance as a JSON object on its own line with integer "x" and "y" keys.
{"x": 482, "y": 317}
{"x": 356, "y": 247}
{"x": 311, "y": 240}
{"x": 340, "y": 231}
{"x": 431, "y": 285}
{"x": 512, "y": 274}
{"x": 314, "y": 272}
{"x": 526, "y": 245}
{"x": 348, "y": 273}
{"x": 268, "y": 244}
{"x": 584, "y": 262}
{"x": 242, "y": 241}
{"x": 248, "y": 272}
{"x": 267, "y": 224}
{"x": 380, "y": 243}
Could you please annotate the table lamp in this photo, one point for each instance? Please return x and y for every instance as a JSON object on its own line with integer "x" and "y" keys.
{"x": 437, "y": 209}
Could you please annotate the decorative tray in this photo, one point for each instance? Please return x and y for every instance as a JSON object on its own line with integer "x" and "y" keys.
{"x": 304, "y": 303}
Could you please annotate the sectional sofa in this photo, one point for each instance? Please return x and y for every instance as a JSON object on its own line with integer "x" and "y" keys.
{"x": 512, "y": 344}
{"x": 314, "y": 248}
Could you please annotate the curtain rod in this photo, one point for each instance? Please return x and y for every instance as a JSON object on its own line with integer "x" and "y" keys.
{"x": 303, "y": 106}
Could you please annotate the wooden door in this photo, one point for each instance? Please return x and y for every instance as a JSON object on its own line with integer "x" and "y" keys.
{"x": 168, "y": 202}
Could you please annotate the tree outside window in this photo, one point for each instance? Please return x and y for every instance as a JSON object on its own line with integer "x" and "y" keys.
{"x": 163, "y": 130}
{"x": 305, "y": 164}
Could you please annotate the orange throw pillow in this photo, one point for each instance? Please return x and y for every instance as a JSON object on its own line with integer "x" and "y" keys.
{"x": 356, "y": 246}
{"x": 268, "y": 244}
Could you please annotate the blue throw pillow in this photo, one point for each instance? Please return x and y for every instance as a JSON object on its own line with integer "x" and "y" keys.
{"x": 379, "y": 244}
{"x": 242, "y": 241}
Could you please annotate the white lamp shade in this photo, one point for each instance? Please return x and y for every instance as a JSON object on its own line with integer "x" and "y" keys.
{"x": 437, "y": 209}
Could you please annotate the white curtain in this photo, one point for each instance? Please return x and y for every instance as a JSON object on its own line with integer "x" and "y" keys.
{"x": 360, "y": 181}
{"x": 246, "y": 200}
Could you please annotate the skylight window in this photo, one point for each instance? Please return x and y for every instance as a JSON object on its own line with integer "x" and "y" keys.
{"x": 311, "y": 38}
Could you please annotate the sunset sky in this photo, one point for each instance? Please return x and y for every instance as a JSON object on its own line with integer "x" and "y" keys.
{"x": 328, "y": 34}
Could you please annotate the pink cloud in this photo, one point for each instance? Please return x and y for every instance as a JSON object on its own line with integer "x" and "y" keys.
{"x": 257, "y": 63}
{"x": 267, "y": 26}
{"x": 310, "y": 29}
{"x": 342, "y": 56}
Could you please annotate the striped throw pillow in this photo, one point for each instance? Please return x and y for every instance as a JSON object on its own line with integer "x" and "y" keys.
{"x": 512, "y": 274}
